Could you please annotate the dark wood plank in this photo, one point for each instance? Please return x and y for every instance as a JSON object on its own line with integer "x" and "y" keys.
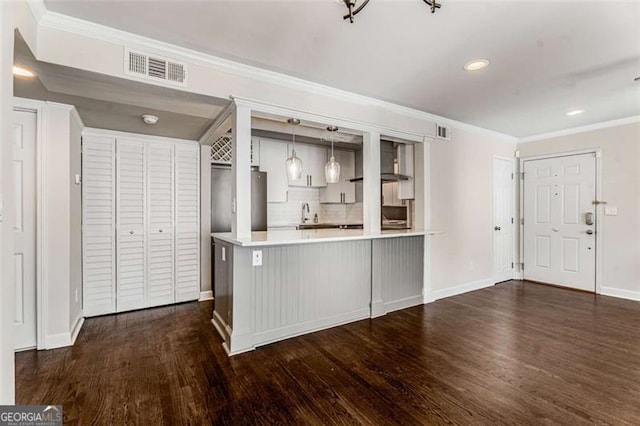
{"x": 515, "y": 353}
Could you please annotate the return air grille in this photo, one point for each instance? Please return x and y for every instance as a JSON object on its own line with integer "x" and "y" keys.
{"x": 443, "y": 132}
{"x": 155, "y": 68}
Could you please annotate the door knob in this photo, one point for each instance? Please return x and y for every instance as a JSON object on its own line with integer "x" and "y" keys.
{"x": 131, "y": 232}
{"x": 497, "y": 228}
{"x": 589, "y": 231}
{"x": 555, "y": 229}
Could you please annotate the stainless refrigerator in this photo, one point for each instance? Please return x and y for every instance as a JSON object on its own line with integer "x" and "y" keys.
{"x": 221, "y": 199}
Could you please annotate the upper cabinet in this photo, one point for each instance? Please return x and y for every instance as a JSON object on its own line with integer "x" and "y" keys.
{"x": 342, "y": 191}
{"x": 405, "y": 190}
{"x": 313, "y": 161}
{"x": 273, "y": 155}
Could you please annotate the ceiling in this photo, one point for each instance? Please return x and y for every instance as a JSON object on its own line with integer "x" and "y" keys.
{"x": 547, "y": 58}
{"x": 116, "y": 104}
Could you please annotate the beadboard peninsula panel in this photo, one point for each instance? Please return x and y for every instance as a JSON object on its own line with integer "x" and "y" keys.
{"x": 398, "y": 270}
{"x": 302, "y": 288}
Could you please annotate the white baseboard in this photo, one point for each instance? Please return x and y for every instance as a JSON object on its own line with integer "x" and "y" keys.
{"x": 407, "y": 302}
{"x": 617, "y": 292}
{"x": 76, "y": 328}
{"x": 62, "y": 340}
{"x": 462, "y": 288}
{"x": 205, "y": 295}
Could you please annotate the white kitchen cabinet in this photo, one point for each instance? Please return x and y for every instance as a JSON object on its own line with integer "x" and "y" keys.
{"x": 390, "y": 194}
{"x": 313, "y": 160}
{"x": 273, "y": 155}
{"x": 406, "y": 167}
{"x": 343, "y": 191}
{"x": 141, "y": 214}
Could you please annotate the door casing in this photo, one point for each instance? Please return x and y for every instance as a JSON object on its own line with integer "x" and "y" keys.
{"x": 514, "y": 209}
{"x": 597, "y": 209}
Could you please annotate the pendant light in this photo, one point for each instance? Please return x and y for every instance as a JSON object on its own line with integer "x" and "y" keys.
{"x": 294, "y": 164}
{"x": 332, "y": 168}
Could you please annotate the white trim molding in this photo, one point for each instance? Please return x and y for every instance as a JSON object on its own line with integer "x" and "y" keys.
{"x": 620, "y": 293}
{"x": 582, "y": 129}
{"x": 205, "y": 295}
{"x": 57, "y": 21}
{"x": 77, "y": 326}
{"x": 462, "y": 288}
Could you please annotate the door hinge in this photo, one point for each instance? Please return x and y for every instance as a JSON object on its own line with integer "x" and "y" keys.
{"x": 522, "y": 175}
{"x": 511, "y": 175}
{"x": 511, "y": 220}
{"x": 511, "y": 265}
{"x": 522, "y": 221}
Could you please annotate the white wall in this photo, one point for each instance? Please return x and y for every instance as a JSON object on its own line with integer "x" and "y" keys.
{"x": 7, "y": 298}
{"x": 62, "y": 215}
{"x": 620, "y": 172}
{"x": 461, "y": 206}
{"x": 75, "y": 220}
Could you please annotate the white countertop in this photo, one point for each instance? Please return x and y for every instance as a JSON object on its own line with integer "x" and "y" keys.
{"x": 289, "y": 237}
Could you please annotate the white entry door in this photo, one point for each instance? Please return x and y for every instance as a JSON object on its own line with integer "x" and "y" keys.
{"x": 24, "y": 256}
{"x": 503, "y": 219}
{"x": 559, "y": 221}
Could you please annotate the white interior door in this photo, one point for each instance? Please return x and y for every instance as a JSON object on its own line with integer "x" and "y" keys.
{"x": 559, "y": 221}
{"x": 24, "y": 256}
{"x": 503, "y": 219}
{"x": 160, "y": 253}
{"x": 131, "y": 221}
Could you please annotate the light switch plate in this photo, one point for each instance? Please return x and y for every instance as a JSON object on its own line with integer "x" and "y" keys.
{"x": 224, "y": 254}
{"x": 610, "y": 211}
{"x": 257, "y": 258}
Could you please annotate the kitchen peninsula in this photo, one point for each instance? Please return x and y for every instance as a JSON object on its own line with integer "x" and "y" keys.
{"x": 365, "y": 255}
{"x": 279, "y": 284}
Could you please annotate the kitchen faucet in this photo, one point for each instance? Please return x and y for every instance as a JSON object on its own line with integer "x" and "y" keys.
{"x": 304, "y": 218}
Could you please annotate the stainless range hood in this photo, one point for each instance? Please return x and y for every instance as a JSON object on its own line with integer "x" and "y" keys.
{"x": 387, "y": 169}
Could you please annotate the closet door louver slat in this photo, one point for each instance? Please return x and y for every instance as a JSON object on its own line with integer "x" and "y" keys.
{"x": 98, "y": 225}
{"x": 131, "y": 221}
{"x": 160, "y": 234}
{"x": 187, "y": 211}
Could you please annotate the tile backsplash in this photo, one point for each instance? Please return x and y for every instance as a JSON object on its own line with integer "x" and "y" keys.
{"x": 289, "y": 213}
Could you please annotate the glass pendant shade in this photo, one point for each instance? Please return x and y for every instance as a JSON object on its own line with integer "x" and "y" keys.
{"x": 294, "y": 167}
{"x": 332, "y": 170}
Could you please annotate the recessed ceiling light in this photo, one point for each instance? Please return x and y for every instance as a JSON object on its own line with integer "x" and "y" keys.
{"x": 575, "y": 112}
{"x": 476, "y": 65}
{"x": 149, "y": 119}
{"x": 22, "y": 72}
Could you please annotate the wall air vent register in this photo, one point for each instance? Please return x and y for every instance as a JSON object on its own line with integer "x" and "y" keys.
{"x": 155, "y": 68}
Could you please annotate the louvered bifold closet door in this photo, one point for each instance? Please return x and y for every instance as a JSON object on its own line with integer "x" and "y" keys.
{"x": 160, "y": 244}
{"x": 131, "y": 264}
{"x": 98, "y": 225}
{"x": 187, "y": 210}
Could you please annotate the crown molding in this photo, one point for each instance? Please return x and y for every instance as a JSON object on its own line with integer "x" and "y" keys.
{"x": 114, "y": 36}
{"x": 582, "y": 129}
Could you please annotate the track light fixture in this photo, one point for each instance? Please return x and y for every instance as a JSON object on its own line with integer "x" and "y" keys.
{"x": 353, "y": 10}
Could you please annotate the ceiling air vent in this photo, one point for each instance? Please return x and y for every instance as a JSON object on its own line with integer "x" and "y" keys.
{"x": 155, "y": 68}
{"x": 443, "y": 132}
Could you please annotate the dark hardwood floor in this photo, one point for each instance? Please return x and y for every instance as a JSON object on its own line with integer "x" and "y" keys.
{"x": 516, "y": 353}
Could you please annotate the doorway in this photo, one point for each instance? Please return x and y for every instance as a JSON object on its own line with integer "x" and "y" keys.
{"x": 502, "y": 218}
{"x": 559, "y": 235}
{"x": 24, "y": 255}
